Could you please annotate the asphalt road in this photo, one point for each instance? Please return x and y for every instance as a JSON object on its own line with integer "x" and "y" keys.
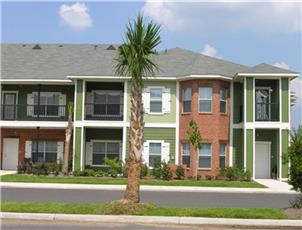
{"x": 180, "y": 199}
{"x": 52, "y": 225}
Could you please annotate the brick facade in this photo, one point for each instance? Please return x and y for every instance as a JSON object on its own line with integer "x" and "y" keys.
{"x": 30, "y": 134}
{"x": 214, "y": 126}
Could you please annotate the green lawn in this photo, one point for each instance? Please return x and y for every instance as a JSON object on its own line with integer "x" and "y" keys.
{"x": 122, "y": 181}
{"x": 47, "y": 207}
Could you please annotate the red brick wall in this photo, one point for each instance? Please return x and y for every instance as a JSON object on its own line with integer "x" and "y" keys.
{"x": 214, "y": 126}
{"x": 30, "y": 134}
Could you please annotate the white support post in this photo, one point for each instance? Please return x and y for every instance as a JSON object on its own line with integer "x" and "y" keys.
{"x": 177, "y": 125}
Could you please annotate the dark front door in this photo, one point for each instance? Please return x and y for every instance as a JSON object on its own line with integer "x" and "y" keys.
{"x": 9, "y": 106}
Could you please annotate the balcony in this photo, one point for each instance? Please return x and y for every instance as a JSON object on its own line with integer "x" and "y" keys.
{"x": 101, "y": 111}
{"x": 33, "y": 112}
{"x": 267, "y": 112}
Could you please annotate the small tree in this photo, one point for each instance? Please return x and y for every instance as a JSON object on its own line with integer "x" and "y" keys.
{"x": 294, "y": 156}
{"x": 68, "y": 133}
{"x": 196, "y": 140}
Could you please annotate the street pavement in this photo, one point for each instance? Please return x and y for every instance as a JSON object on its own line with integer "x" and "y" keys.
{"x": 13, "y": 224}
{"x": 180, "y": 199}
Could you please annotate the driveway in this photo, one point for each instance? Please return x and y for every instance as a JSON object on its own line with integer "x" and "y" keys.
{"x": 275, "y": 185}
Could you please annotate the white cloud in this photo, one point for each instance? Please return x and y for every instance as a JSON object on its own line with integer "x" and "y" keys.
{"x": 282, "y": 65}
{"x": 76, "y": 16}
{"x": 210, "y": 51}
{"x": 207, "y": 17}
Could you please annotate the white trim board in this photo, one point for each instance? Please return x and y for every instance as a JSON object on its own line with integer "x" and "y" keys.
{"x": 34, "y": 124}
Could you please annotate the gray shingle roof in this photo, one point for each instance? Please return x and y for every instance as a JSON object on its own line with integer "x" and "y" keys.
{"x": 58, "y": 61}
{"x": 265, "y": 68}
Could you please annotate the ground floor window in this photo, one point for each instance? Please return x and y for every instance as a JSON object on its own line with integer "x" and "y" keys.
{"x": 154, "y": 154}
{"x": 205, "y": 156}
{"x": 222, "y": 155}
{"x": 185, "y": 152}
{"x": 102, "y": 150}
{"x": 47, "y": 151}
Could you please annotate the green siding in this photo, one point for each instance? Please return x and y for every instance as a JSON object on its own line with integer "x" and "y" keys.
{"x": 285, "y": 105}
{"x": 249, "y": 150}
{"x": 79, "y": 100}
{"x": 249, "y": 99}
{"x": 104, "y": 134}
{"x": 238, "y": 156}
{"x": 273, "y": 137}
{"x": 164, "y": 134}
{"x": 77, "y": 150}
{"x": 238, "y": 103}
{"x": 23, "y": 90}
{"x": 165, "y": 118}
{"x": 285, "y": 144}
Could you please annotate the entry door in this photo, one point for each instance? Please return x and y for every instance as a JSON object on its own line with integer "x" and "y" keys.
{"x": 9, "y": 106}
{"x": 262, "y": 160}
{"x": 10, "y": 153}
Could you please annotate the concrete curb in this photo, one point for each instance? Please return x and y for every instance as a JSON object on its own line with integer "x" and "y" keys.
{"x": 154, "y": 219}
{"x": 143, "y": 188}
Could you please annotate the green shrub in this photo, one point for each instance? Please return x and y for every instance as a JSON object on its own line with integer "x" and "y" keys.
{"x": 156, "y": 171}
{"x": 198, "y": 177}
{"x": 144, "y": 170}
{"x": 180, "y": 172}
{"x": 115, "y": 167}
{"x": 209, "y": 177}
{"x": 246, "y": 176}
{"x": 41, "y": 169}
{"x": 166, "y": 172}
{"x": 294, "y": 155}
{"x": 233, "y": 173}
{"x": 99, "y": 173}
{"x": 85, "y": 172}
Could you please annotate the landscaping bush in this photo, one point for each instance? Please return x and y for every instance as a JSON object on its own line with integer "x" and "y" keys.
{"x": 198, "y": 177}
{"x": 27, "y": 166}
{"x": 85, "y": 172}
{"x": 180, "y": 172}
{"x": 41, "y": 169}
{"x": 156, "y": 171}
{"x": 115, "y": 167}
{"x": 246, "y": 176}
{"x": 166, "y": 172}
{"x": 233, "y": 173}
{"x": 144, "y": 170}
{"x": 209, "y": 177}
{"x": 99, "y": 173}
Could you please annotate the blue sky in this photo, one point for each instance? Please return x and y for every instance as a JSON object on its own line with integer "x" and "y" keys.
{"x": 245, "y": 33}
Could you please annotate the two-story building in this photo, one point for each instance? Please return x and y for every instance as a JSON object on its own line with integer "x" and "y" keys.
{"x": 243, "y": 112}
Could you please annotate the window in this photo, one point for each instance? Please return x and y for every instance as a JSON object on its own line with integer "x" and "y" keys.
{"x": 186, "y": 105}
{"x": 49, "y": 104}
{"x": 205, "y": 99}
{"x": 47, "y": 151}
{"x": 205, "y": 156}
{"x": 222, "y": 154}
{"x": 102, "y": 150}
{"x": 154, "y": 154}
{"x": 185, "y": 151}
{"x": 223, "y": 100}
{"x": 106, "y": 103}
{"x": 156, "y": 100}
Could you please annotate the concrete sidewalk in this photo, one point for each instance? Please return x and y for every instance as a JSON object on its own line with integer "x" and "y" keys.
{"x": 255, "y": 223}
{"x": 143, "y": 188}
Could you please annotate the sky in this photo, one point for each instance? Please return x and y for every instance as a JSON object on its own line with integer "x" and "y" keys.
{"x": 243, "y": 32}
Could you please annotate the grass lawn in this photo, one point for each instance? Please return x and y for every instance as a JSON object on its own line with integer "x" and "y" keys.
{"x": 122, "y": 181}
{"x": 47, "y": 207}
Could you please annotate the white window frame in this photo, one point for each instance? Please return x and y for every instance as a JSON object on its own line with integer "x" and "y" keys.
{"x": 225, "y": 149}
{"x": 205, "y": 99}
{"x": 114, "y": 92}
{"x": 44, "y": 149}
{"x": 183, "y": 100}
{"x": 161, "y": 146}
{"x": 221, "y": 100}
{"x": 46, "y": 94}
{"x": 206, "y": 156}
{"x": 182, "y": 153}
{"x": 162, "y": 102}
{"x": 16, "y": 101}
{"x": 104, "y": 141}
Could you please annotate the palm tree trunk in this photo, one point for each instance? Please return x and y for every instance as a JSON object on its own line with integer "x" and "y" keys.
{"x": 136, "y": 140}
{"x": 68, "y": 133}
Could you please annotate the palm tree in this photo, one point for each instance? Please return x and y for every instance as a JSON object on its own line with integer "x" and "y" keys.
{"x": 68, "y": 133}
{"x": 134, "y": 59}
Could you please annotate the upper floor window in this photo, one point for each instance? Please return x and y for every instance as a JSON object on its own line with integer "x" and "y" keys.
{"x": 107, "y": 103}
{"x": 187, "y": 94}
{"x": 46, "y": 152}
{"x": 222, "y": 155}
{"x": 205, "y": 99}
{"x": 223, "y": 100}
{"x": 205, "y": 156}
{"x": 185, "y": 152}
{"x": 156, "y": 100}
{"x": 47, "y": 105}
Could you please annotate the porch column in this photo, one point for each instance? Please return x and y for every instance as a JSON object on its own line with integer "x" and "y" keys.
{"x": 249, "y": 150}
{"x": 284, "y": 139}
{"x": 78, "y": 148}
